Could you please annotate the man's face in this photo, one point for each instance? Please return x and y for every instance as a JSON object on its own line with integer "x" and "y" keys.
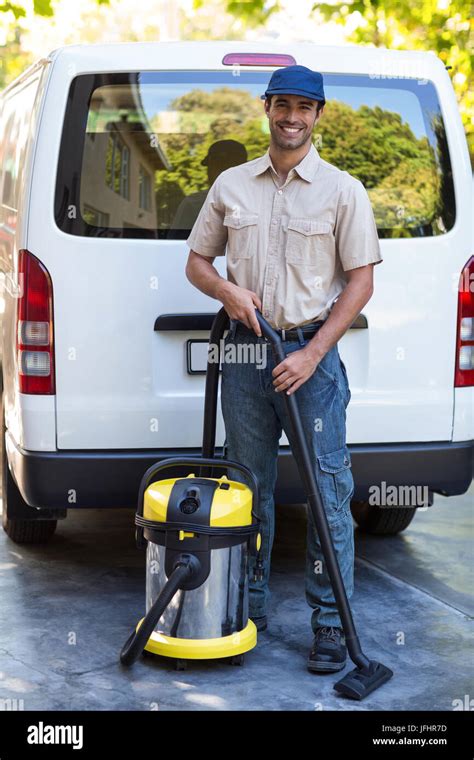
{"x": 297, "y": 114}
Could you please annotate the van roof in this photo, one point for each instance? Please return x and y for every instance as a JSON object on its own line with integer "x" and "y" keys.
{"x": 142, "y": 56}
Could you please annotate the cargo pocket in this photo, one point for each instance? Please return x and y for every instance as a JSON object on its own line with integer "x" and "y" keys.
{"x": 336, "y": 483}
{"x": 306, "y": 240}
{"x": 241, "y": 235}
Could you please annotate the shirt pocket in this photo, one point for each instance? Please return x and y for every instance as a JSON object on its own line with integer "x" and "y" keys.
{"x": 241, "y": 235}
{"x": 306, "y": 240}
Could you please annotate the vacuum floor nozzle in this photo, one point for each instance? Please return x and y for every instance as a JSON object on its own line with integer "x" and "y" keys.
{"x": 360, "y": 682}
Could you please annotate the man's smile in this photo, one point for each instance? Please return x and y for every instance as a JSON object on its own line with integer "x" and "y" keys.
{"x": 290, "y": 130}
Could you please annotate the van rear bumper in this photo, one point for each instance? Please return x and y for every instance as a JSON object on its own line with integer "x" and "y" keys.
{"x": 446, "y": 468}
{"x": 97, "y": 478}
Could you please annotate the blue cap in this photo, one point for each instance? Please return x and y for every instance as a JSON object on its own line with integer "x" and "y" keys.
{"x": 296, "y": 80}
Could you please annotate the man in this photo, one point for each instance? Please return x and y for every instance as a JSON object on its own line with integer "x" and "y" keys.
{"x": 301, "y": 246}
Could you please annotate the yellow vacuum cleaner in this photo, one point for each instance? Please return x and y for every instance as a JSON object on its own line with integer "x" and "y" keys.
{"x": 200, "y": 533}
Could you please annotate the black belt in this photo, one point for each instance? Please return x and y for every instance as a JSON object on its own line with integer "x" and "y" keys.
{"x": 291, "y": 333}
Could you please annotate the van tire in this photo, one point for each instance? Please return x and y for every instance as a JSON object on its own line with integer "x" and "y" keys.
{"x": 20, "y": 530}
{"x": 28, "y": 531}
{"x": 381, "y": 522}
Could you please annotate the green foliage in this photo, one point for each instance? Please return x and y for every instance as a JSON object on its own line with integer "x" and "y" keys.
{"x": 14, "y": 59}
{"x": 17, "y": 10}
{"x": 203, "y": 118}
{"x": 40, "y": 7}
{"x": 252, "y": 12}
{"x": 43, "y": 8}
{"x": 369, "y": 143}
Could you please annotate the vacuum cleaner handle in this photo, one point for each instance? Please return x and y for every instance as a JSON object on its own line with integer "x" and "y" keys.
{"x": 135, "y": 644}
{"x": 305, "y": 466}
{"x": 271, "y": 335}
{"x": 369, "y": 674}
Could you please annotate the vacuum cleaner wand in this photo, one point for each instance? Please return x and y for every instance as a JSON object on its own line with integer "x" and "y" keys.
{"x": 137, "y": 640}
{"x": 369, "y": 674}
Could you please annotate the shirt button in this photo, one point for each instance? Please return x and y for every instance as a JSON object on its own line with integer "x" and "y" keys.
{"x": 280, "y": 192}
{"x": 274, "y": 221}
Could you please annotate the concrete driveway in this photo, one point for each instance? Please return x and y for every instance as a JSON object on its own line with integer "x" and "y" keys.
{"x": 69, "y": 606}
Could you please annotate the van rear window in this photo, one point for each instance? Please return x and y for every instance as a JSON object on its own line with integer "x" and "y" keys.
{"x": 137, "y": 156}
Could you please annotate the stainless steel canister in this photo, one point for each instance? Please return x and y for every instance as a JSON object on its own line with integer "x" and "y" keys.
{"x": 219, "y": 607}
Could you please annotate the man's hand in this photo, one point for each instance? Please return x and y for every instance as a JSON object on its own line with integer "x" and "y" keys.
{"x": 240, "y": 304}
{"x": 294, "y": 370}
{"x": 300, "y": 365}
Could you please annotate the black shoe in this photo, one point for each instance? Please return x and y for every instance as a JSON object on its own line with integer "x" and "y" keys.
{"x": 328, "y": 652}
{"x": 260, "y": 622}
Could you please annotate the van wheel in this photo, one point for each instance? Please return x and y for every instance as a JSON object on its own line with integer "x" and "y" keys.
{"x": 28, "y": 531}
{"x": 381, "y": 522}
{"x": 20, "y": 530}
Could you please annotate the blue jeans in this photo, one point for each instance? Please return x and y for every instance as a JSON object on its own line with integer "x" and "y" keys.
{"x": 254, "y": 416}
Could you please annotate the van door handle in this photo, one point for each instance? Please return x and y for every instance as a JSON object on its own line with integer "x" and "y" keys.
{"x": 189, "y": 322}
{"x": 184, "y": 322}
{"x": 360, "y": 323}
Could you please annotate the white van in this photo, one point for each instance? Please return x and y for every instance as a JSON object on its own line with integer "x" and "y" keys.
{"x": 104, "y": 168}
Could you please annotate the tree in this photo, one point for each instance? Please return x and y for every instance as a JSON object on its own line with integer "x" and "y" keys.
{"x": 13, "y": 59}
{"x": 40, "y": 7}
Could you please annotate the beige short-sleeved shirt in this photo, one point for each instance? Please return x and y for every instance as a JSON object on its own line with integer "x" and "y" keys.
{"x": 291, "y": 244}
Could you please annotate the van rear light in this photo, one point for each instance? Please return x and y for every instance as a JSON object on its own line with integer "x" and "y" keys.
{"x": 258, "y": 59}
{"x": 34, "y": 363}
{"x": 464, "y": 373}
{"x": 33, "y": 333}
{"x": 34, "y": 330}
{"x": 467, "y": 328}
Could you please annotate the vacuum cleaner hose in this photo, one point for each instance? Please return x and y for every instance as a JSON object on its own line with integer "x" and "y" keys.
{"x": 136, "y": 643}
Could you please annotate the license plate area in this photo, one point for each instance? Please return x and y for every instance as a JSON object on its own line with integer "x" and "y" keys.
{"x": 196, "y": 356}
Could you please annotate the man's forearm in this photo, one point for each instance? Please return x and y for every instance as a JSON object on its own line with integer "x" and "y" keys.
{"x": 203, "y": 275}
{"x": 347, "y": 307}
